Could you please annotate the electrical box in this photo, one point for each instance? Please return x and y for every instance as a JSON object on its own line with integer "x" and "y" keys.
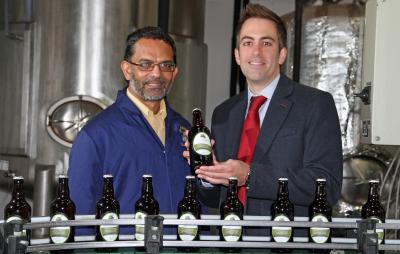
{"x": 380, "y": 113}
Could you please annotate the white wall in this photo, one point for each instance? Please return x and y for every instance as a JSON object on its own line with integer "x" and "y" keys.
{"x": 217, "y": 36}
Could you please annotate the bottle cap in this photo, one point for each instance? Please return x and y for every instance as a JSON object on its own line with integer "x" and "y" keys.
{"x": 107, "y": 176}
{"x": 147, "y": 176}
{"x": 374, "y": 181}
{"x": 283, "y": 179}
{"x": 190, "y": 177}
{"x": 196, "y": 109}
{"x": 321, "y": 180}
{"x": 62, "y": 176}
{"x": 232, "y": 178}
{"x": 18, "y": 178}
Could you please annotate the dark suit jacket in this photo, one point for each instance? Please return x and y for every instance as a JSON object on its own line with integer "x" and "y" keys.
{"x": 299, "y": 139}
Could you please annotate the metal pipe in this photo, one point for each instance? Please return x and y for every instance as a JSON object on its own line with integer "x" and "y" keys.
{"x": 163, "y": 14}
{"x": 237, "y": 77}
{"x": 43, "y": 194}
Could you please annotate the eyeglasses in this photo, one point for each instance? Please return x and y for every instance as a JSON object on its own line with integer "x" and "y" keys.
{"x": 149, "y": 66}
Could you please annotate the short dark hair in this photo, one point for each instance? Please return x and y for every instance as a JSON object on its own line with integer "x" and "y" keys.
{"x": 259, "y": 11}
{"x": 149, "y": 32}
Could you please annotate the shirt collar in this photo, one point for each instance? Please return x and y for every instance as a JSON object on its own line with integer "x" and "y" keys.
{"x": 267, "y": 92}
{"x": 144, "y": 109}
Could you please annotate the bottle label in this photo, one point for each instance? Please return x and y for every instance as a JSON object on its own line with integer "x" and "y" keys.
{"x": 202, "y": 144}
{"x": 319, "y": 235}
{"x": 109, "y": 232}
{"x": 187, "y": 232}
{"x": 139, "y": 229}
{"x": 379, "y": 231}
{"x": 231, "y": 233}
{"x": 59, "y": 234}
{"x": 281, "y": 234}
{"x": 16, "y": 217}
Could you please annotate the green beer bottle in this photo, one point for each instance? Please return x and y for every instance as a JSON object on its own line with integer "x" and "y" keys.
{"x": 62, "y": 209}
{"x": 107, "y": 208}
{"x": 145, "y": 205}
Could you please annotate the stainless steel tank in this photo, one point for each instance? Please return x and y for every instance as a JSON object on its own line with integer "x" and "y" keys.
{"x": 61, "y": 67}
{"x": 59, "y": 71}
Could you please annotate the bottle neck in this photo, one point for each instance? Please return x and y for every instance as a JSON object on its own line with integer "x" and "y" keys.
{"x": 283, "y": 191}
{"x": 197, "y": 118}
{"x": 321, "y": 192}
{"x": 63, "y": 189}
{"x": 18, "y": 189}
{"x": 147, "y": 187}
{"x": 373, "y": 194}
{"x": 190, "y": 188}
{"x": 108, "y": 189}
{"x": 232, "y": 190}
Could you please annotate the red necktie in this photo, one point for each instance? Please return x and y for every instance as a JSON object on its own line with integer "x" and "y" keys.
{"x": 248, "y": 138}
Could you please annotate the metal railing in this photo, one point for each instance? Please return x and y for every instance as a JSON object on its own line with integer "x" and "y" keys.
{"x": 13, "y": 241}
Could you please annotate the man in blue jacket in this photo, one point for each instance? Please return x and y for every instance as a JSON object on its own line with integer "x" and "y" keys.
{"x": 138, "y": 134}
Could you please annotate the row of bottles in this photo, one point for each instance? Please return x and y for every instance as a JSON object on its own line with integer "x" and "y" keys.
{"x": 283, "y": 210}
{"x": 107, "y": 207}
{"x": 63, "y": 208}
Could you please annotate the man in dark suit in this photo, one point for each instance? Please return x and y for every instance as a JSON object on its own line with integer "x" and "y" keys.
{"x": 299, "y": 134}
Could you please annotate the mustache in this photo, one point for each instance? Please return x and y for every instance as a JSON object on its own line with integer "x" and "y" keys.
{"x": 159, "y": 80}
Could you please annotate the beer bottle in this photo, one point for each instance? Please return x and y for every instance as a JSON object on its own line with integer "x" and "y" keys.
{"x": 373, "y": 209}
{"x": 18, "y": 208}
{"x": 107, "y": 208}
{"x": 200, "y": 148}
{"x": 189, "y": 208}
{"x": 232, "y": 209}
{"x": 320, "y": 211}
{"x": 282, "y": 210}
{"x": 145, "y": 205}
{"x": 62, "y": 209}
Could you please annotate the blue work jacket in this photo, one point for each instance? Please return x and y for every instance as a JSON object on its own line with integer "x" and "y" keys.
{"x": 120, "y": 141}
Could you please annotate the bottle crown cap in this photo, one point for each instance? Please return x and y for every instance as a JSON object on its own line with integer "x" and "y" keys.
{"x": 107, "y": 176}
{"x": 190, "y": 177}
{"x": 232, "y": 178}
{"x": 282, "y": 179}
{"x": 196, "y": 109}
{"x": 62, "y": 176}
{"x": 321, "y": 180}
{"x": 374, "y": 181}
{"x": 18, "y": 178}
{"x": 147, "y": 176}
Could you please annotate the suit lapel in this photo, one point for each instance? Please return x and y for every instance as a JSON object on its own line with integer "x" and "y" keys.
{"x": 277, "y": 112}
{"x": 236, "y": 118}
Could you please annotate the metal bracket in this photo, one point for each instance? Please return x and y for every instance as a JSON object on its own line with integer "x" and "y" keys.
{"x": 367, "y": 238}
{"x": 153, "y": 233}
{"x": 365, "y": 94}
{"x": 14, "y": 241}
